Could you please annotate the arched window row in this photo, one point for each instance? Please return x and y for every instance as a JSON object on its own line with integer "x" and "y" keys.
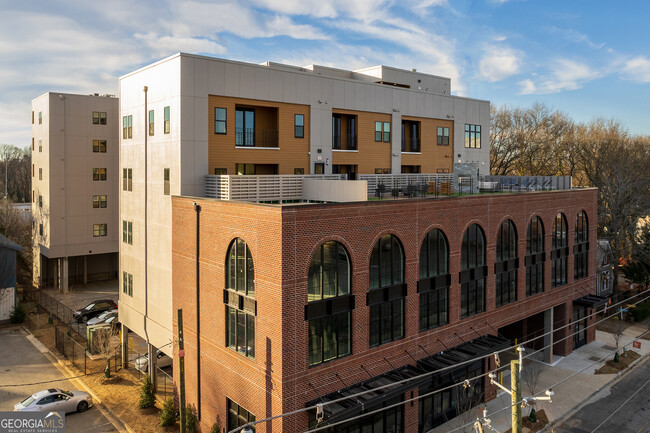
{"x": 330, "y": 301}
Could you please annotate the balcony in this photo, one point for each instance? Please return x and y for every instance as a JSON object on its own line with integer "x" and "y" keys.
{"x": 256, "y": 126}
{"x": 344, "y": 132}
{"x": 256, "y": 137}
{"x": 410, "y": 136}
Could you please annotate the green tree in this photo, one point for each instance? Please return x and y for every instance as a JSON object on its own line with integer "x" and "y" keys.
{"x": 168, "y": 414}
{"x": 147, "y": 397}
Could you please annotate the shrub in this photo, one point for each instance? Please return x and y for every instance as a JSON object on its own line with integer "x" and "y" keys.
{"x": 168, "y": 415}
{"x": 216, "y": 427}
{"x": 17, "y": 314}
{"x": 190, "y": 420}
{"x": 147, "y": 398}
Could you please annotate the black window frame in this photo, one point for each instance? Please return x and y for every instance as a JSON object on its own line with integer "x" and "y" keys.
{"x": 236, "y": 412}
{"x": 559, "y": 251}
{"x": 442, "y": 138}
{"x": 507, "y": 263}
{"x": 473, "y": 272}
{"x": 299, "y": 129}
{"x": 434, "y": 282}
{"x": 329, "y": 312}
{"x": 219, "y": 121}
{"x": 472, "y": 136}
{"x": 239, "y": 297}
{"x": 535, "y": 256}
{"x": 387, "y": 291}
{"x": 581, "y": 246}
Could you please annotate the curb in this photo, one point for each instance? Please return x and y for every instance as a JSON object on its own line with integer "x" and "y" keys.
{"x": 617, "y": 377}
{"x": 69, "y": 375}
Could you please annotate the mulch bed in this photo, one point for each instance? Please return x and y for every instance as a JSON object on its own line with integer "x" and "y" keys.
{"x": 541, "y": 422}
{"x": 612, "y": 367}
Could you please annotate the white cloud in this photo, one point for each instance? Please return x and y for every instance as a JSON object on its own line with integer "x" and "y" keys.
{"x": 499, "y": 63}
{"x": 637, "y": 69}
{"x": 565, "y": 74}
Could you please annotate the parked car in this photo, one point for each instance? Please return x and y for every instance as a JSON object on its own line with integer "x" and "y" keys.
{"x": 104, "y": 317}
{"x": 94, "y": 309}
{"x": 55, "y": 400}
{"x": 142, "y": 363}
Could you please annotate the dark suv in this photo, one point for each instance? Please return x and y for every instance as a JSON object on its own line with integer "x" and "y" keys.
{"x": 94, "y": 309}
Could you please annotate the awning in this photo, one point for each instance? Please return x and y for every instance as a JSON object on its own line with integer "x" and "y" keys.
{"x": 591, "y": 301}
{"x": 474, "y": 349}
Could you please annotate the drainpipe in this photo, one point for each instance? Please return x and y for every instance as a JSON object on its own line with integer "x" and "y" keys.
{"x": 197, "y": 208}
{"x": 151, "y": 353}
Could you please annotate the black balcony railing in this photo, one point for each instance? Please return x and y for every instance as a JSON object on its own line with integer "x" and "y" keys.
{"x": 256, "y": 137}
{"x": 411, "y": 144}
{"x": 346, "y": 142}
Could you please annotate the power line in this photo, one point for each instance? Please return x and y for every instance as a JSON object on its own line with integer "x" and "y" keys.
{"x": 444, "y": 369}
{"x": 619, "y": 407}
{"x": 561, "y": 381}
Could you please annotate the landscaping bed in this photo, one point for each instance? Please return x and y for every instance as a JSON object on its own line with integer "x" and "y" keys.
{"x": 625, "y": 359}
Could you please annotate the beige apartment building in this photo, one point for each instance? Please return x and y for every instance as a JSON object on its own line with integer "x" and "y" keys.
{"x": 189, "y": 117}
{"x": 75, "y": 188}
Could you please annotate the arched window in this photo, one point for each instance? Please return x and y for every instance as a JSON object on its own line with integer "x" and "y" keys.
{"x": 507, "y": 263}
{"x": 330, "y": 304}
{"x": 435, "y": 280}
{"x": 535, "y": 257}
{"x": 560, "y": 251}
{"x": 241, "y": 307}
{"x": 473, "y": 272}
{"x": 387, "y": 291}
{"x": 581, "y": 247}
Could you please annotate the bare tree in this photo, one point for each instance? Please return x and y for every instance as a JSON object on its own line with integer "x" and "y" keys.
{"x": 105, "y": 343}
{"x": 15, "y": 170}
{"x": 617, "y": 333}
{"x": 18, "y": 228}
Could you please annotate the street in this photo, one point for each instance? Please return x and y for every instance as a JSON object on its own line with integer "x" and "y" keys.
{"x": 22, "y": 363}
{"x": 622, "y": 408}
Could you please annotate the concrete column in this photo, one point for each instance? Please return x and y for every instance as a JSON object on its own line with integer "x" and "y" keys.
{"x": 64, "y": 275}
{"x": 85, "y": 271}
{"x": 57, "y": 274}
{"x": 396, "y": 143}
{"x": 548, "y": 337}
{"x": 151, "y": 350}
{"x": 124, "y": 341}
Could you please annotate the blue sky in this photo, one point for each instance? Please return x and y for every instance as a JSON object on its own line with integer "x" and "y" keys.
{"x": 586, "y": 58}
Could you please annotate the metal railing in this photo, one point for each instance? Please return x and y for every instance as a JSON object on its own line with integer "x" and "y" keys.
{"x": 256, "y": 137}
{"x": 404, "y": 184}
{"x": 525, "y": 183}
{"x": 261, "y": 188}
{"x": 411, "y": 144}
{"x": 350, "y": 142}
{"x": 56, "y": 309}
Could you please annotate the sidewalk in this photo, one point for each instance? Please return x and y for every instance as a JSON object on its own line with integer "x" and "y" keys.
{"x": 582, "y": 363}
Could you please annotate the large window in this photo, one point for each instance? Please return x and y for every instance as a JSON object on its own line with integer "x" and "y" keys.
{"x": 434, "y": 282}
{"x": 382, "y": 131}
{"x": 330, "y": 304}
{"x": 387, "y": 291}
{"x": 238, "y": 416}
{"x": 241, "y": 307}
{"x": 473, "y": 272}
{"x": 507, "y": 263}
{"x": 535, "y": 257}
{"x": 559, "y": 252}
{"x": 473, "y": 136}
{"x": 581, "y": 247}
{"x": 245, "y": 127}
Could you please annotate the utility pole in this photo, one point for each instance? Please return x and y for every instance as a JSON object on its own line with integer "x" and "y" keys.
{"x": 515, "y": 391}
{"x": 181, "y": 369}
{"x": 515, "y": 396}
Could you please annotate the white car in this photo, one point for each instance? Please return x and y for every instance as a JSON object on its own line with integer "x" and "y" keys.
{"x": 55, "y": 400}
{"x": 102, "y": 317}
{"x": 142, "y": 363}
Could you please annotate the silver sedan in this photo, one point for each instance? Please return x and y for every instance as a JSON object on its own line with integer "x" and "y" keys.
{"x": 55, "y": 400}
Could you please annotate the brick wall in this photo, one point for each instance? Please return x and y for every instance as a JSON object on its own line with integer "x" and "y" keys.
{"x": 282, "y": 240}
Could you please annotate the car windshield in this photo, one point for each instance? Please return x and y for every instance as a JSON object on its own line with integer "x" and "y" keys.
{"x": 110, "y": 319}
{"x": 68, "y": 393}
{"x": 29, "y": 400}
{"x": 89, "y": 307}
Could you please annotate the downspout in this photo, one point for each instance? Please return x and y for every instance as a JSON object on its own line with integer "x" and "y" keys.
{"x": 197, "y": 208}
{"x": 146, "y": 262}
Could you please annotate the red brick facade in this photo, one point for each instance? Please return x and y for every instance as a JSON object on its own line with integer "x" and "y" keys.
{"x": 282, "y": 240}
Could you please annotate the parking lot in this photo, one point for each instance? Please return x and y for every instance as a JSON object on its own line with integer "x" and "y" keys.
{"x": 24, "y": 370}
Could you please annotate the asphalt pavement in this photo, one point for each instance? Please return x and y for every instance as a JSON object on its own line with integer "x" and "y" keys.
{"x": 22, "y": 366}
{"x": 621, "y": 407}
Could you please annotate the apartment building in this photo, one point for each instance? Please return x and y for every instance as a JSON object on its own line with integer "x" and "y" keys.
{"x": 189, "y": 116}
{"x": 74, "y": 188}
{"x": 303, "y": 304}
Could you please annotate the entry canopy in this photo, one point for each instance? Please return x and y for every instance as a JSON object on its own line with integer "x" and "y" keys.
{"x": 374, "y": 399}
{"x": 591, "y": 301}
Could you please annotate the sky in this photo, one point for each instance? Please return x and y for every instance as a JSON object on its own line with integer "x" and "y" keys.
{"x": 587, "y": 58}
